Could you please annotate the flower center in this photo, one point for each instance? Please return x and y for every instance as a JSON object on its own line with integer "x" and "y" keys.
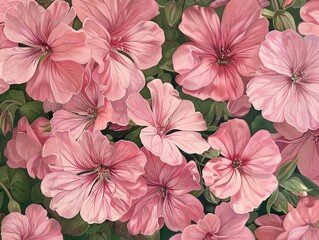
{"x": 103, "y": 173}
{"x": 224, "y": 56}
{"x": 237, "y": 163}
{"x": 161, "y": 129}
{"x": 91, "y": 113}
{"x": 162, "y": 192}
{"x": 297, "y": 77}
{"x": 45, "y": 50}
{"x": 315, "y": 138}
{"x": 209, "y": 236}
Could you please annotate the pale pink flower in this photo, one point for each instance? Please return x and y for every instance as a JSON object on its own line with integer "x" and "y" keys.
{"x": 302, "y": 146}
{"x": 96, "y": 178}
{"x": 89, "y": 109}
{"x": 224, "y": 224}
{"x": 24, "y": 150}
{"x": 301, "y": 223}
{"x": 169, "y": 112}
{"x": 220, "y": 54}
{"x": 310, "y": 14}
{"x": 114, "y": 27}
{"x": 245, "y": 171}
{"x": 288, "y": 90}
{"x": 271, "y": 225}
{"x": 221, "y": 3}
{"x": 6, "y": 4}
{"x": 239, "y": 107}
{"x": 167, "y": 199}
{"x": 34, "y": 225}
{"x": 52, "y": 61}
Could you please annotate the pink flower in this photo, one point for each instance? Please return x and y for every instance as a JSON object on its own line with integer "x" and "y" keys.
{"x": 302, "y": 146}
{"x": 220, "y": 54}
{"x": 167, "y": 199}
{"x": 89, "y": 109}
{"x": 221, "y": 3}
{"x": 96, "y": 178}
{"x": 310, "y": 14}
{"x": 301, "y": 223}
{"x": 52, "y": 44}
{"x": 224, "y": 224}
{"x": 168, "y": 113}
{"x": 33, "y": 225}
{"x": 121, "y": 26}
{"x": 271, "y": 225}
{"x": 245, "y": 172}
{"x": 6, "y": 4}
{"x": 24, "y": 150}
{"x": 239, "y": 107}
{"x": 288, "y": 89}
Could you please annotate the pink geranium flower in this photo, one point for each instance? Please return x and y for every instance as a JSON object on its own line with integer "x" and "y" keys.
{"x": 221, "y": 3}
{"x": 54, "y": 53}
{"x": 302, "y": 146}
{"x": 24, "y": 150}
{"x": 220, "y": 54}
{"x": 33, "y": 225}
{"x": 310, "y": 14}
{"x": 301, "y": 223}
{"x": 96, "y": 178}
{"x": 89, "y": 109}
{"x": 167, "y": 199}
{"x": 245, "y": 172}
{"x": 224, "y": 224}
{"x": 271, "y": 225}
{"x": 114, "y": 27}
{"x": 288, "y": 89}
{"x": 168, "y": 113}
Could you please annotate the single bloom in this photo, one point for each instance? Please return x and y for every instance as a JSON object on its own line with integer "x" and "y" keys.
{"x": 24, "y": 150}
{"x": 297, "y": 145}
{"x": 95, "y": 178}
{"x": 288, "y": 87}
{"x": 245, "y": 171}
{"x": 270, "y": 226}
{"x": 301, "y": 223}
{"x": 224, "y": 224}
{"x": 33, "y": 225}
{"x": 117, "y": 27}
{"x": 167, "y": 199}
{"x": 170, "y": 124}
{"x": 220, "y": 54}
{"x": 310, "y": 14}
{"x": 221, "y": 3}
{"x": 89, "y": 109}
{"x": 52, "y": 54}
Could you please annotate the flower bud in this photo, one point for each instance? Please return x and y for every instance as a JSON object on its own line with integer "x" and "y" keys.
{"x": 13, "y": 206}
{"x": 287, "y": 3}
{"x": 6, "y": 122}
{"x": 173, "y": 12}
{"x": 283, "y": 21}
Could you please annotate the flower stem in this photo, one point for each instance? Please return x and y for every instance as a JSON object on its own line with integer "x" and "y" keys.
{"x": 6, "y": 190}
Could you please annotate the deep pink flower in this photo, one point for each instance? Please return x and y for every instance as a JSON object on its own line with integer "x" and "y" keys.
{"x": 245, "y": 172}
{"x": 310, "y": 14}
{"x": 271, "y": 225}
{"x": 168, "y": 113}
{"x": 220, "y": 3}
{"x": 301, "y": 223}
{"x": 167, "y": 199}
{"x": 288, "y": 89}
{"x": 52, "y": 61}
{"x": 24, "y": 150}
{"x": 89, "y": 109}
{"x": 220, "y": 54}
{"x": 121, "y": 26}
{"x": 239, "y": 107}
{"x": 34, "y": 225}
{"x": 96, "y": 178}
{"x": 6, "y": 4}
{"x": 224, "y": 224}
{"x": 302, "y": 146}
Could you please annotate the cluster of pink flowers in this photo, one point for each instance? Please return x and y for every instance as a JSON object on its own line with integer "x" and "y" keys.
{"x": 91, "y": 80}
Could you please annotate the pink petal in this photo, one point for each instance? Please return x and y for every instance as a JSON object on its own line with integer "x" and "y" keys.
{"x": 308, "y": 159}
{"x": 3, "y": 86}
{"x": 139, "y": 110}
{"x": 199, "y": 232}
{"x": 231, "y": 138}
{"x": 239, "y": 107}
{"x": 286, "y": 130}
{"x": 6, "y": 4}
{"x": 308, "y": 28}
{"x": 4, "y": 41}
{"x": 18, "y": 65}
{"x": 14, "y": 226}
{"x": 68, "y": 44}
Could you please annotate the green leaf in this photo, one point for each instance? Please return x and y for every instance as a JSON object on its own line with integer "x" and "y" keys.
{"x": 298, "y": 3}
{"x": 211, "y": 153}
{"x": 75, "y": 226}
{"x": 260, "y": 123}
{"x": 309, "y": 184}
{"x": 165, "y": 77}
{"x": 32, "y": 110}
{"x": 1, "y": 198}
{"x": 291, "y": 198}
{"x": 95, "y": 228}
{"x": 286, "y": 170}
{"x": 101, "y": 235}
{"x": 210, "y": 197}
{"x": 36, "y": 194}
{"x": 281, "y": 204}
{"x": 134, "y": 136}
{"x": 16, "y": 95}
{"x": 294, "y": 185}
{"x": 272, "y": 199}
{"x": 20, "y": 186}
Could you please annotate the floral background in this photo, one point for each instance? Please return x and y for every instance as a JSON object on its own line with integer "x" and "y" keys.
{"x": 144, "y": 119}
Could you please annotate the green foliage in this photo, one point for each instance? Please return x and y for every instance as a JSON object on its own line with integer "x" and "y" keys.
{"x": 32, "y": 110}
